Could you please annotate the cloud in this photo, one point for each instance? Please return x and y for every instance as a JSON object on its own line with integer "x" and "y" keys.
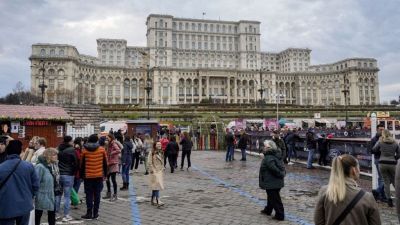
{"x": 333, "y": 30}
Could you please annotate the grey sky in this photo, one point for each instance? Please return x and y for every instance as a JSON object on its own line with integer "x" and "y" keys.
{"x": 333, "y": 29}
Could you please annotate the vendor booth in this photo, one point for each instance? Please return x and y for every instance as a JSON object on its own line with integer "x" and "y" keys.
{"x": 23, "y": 122}
{"x": 143, "y": 127}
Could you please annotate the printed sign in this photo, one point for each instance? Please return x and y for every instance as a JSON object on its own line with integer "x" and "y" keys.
{"x": 60, "y": 131}
{"x": 14, "y": 127}
{"x": 36, "y": 123}
{"x": 21, "y": 131}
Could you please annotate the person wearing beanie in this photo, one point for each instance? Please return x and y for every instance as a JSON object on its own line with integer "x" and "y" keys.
{"x": 93, "y": 170}
{"x": 22, "y": 185}
{"x": 68, "y": 165}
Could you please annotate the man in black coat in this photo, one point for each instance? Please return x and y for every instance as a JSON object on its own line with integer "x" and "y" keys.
{"x": 68, "y": 164}
{"x": 323, "y": 150}
{"x": 290, "y": 140}
{"x": 378, "y": 193}
{"x": 276, "y": 137}
{"x": 230, "y": 143}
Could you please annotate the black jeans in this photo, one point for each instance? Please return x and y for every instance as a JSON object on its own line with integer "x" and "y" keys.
{"x": 186, "y": 154}
{"x": 165, "y": 159}
{"x": 113, "y": 177}
{"x": 93, "y": 188}
{"x": 172, "y": 161}
{"x": 51, "y": 217}
{"x": 322, "y": 157}
{"x": 275, "y": 203}
{"x": 135, "y": 160}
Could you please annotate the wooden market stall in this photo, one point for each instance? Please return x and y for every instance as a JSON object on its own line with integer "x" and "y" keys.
{"x": 142, "y": 127}
{"x": 23, "y": 122}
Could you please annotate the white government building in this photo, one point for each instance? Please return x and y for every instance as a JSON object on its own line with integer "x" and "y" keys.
{"x": 191, "y": 60}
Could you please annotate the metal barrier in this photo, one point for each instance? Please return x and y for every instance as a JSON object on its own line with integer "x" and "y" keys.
{"x": 358, "y": 147}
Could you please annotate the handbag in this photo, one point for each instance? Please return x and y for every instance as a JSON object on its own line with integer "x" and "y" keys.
{"x": 74, "y": 197}
{"x": 10, "y": 174}
{"x": 349, "y": 207}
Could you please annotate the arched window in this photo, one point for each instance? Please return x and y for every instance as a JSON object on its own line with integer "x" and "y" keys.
{"x": 60, "y": 72}
{"x": 181, "y": 85}
{"x": 165, "y": 87}
{"x": 61, "y": 52}
{"x": 52, "y": 52}
{"x": 43, "y": 52}
{"x": 127, "y": 88}
{"x": 110, "y": 89}
{"x": 141, "y": 88}
{"x": 134, "y": 86}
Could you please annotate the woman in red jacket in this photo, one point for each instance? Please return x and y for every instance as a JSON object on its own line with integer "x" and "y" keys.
{"x": 113, "y": 152}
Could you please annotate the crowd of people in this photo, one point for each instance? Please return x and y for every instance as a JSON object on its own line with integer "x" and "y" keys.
{"x": 342, "y": 190}
{"x": 39, "y": 178}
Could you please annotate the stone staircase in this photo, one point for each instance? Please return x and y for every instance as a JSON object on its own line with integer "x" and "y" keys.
{"x": 85, "y": 114}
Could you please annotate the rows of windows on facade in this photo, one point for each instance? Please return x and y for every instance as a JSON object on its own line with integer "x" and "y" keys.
{"x": 178, "y": 45}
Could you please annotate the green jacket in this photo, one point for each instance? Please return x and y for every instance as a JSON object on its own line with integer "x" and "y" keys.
{"x": 272, "y": 171}
{"x": 45, "y": 199}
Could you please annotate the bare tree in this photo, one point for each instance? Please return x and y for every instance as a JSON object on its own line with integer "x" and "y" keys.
{"x": 20, "y": 96}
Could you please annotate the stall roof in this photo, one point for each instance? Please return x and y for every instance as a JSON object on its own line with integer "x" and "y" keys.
{"x": 24, "y": 112}
{"x": 142, "y": 121}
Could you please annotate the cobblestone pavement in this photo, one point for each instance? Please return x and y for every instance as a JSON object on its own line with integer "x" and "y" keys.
{"x": 216, "y": 192}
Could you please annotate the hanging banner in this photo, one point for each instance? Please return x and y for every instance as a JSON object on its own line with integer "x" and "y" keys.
{"x": 240, "y": 124}
{"x": 270, "y": 124}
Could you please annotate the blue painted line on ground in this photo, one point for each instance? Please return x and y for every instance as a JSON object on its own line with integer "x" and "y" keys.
{"x": 136, "y": 220}
{"x": 262, "y": 203}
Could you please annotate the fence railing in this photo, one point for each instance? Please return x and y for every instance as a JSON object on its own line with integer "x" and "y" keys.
{"x": 80, "y": 132}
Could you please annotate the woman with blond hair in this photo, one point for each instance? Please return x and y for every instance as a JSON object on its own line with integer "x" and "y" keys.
{"x": 389, "y": 151}
{"x": 49, "y": 178}
{"x": 342, "y": 201}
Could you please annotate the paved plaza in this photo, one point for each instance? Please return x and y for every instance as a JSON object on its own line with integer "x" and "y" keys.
{"x": 216, "y": 192}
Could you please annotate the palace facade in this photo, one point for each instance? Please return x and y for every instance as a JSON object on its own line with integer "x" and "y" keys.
{"x": 190, "y": 60}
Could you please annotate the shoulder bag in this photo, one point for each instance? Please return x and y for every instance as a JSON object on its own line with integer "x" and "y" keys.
{"x": 10, "y": 174}
{"x": 349, "y": 207}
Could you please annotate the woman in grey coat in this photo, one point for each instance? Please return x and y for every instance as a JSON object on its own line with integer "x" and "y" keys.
{"x": 271, "y": 179}
{"x": 49, "y": 176}
{"x": 390, "y": 152}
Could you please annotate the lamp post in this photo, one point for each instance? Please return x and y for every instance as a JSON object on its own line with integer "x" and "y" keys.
{"x": 42, "y": 86}
{"x": 261, "y": 90}
{"x": 148, "y": 88}
{"x": 278, "y": 96}
{"x": 346, "y": 92}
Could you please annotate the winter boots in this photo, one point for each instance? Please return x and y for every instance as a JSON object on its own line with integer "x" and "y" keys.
{"x": 124, "y": 187}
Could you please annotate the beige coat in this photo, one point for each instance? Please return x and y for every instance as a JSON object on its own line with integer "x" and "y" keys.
{"x": 156, "y": 170}
{"x": 365, "y": 212}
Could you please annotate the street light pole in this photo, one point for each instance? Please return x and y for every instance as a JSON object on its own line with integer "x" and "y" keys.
{"x": 261, "y": 90}
{"x": 148, "y": 88}
{"x": 277, "y": 107}
{"x": 42, "y": 86}
{"x": 345, "y": 92}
